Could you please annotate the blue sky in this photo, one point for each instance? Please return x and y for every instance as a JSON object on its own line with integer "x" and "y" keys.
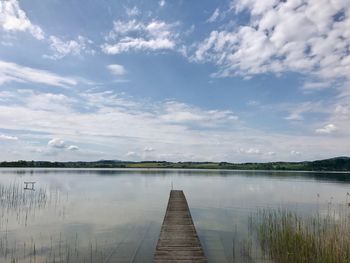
{"x": 235, "y": 80}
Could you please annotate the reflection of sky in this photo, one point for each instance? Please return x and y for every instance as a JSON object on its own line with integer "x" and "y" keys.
{"x": 94, "y": 202}
{"x": 126, "y": 194}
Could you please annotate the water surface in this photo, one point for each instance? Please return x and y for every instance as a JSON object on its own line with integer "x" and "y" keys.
{"x": 101, "y": 215}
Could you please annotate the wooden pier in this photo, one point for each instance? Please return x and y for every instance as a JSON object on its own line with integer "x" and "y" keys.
{"x": 178, "y": 240}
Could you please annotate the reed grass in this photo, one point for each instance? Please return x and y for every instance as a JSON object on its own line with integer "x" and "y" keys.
{"x": 60, "y": 250}
{"x": 287, "y": 237}
{"x": 15, "y": 200}
{"x": 18, "y": 205}
{"x": 13, "y": 196}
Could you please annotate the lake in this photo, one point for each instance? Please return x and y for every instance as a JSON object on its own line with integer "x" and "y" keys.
{"x": 100, "y": 215}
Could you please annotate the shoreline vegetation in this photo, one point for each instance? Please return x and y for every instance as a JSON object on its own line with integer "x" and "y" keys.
{"x": 333, "y": 164}
{"x": 285, "y": 236}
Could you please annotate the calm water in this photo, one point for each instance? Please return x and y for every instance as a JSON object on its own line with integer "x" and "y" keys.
{"x": 116, "y": 215}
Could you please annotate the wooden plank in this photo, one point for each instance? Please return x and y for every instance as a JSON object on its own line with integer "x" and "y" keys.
{"x": 178, "y": 240}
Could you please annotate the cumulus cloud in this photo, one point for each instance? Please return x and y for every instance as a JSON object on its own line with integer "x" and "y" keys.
{"x": 329, "y": 128}
{"x": 116, "y": 69}
{"x": 138, "y": 36}
{"x": 273, "y": 42}
{"x": 60, "y": 144}
{"x": 8, "y": 137}
{"x": 73, "y": 148}
{"x": 13, "y": 18}
{"x": 56, "y": 143}
{"x": 12, "y": 72}
{"x": 61, "y": 48}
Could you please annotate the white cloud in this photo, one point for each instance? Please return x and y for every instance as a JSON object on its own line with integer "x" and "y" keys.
{"x": 316, "y": 85}
{"x": 132, "y": 11}
{"x": 148, "y": 149}
{"x": 138, "y": 36}
{"x": 339, "y": 116}
{"x": 130, "y": 153}
{"x": 116, "y": 69}
{"x": 13, "y": 18}
{"x": 295, "y": 153}
{"x": 146, "y": 154}
{"x": 297, "y": 111}
{"x": 8, "y": 137}
{"x": 257, "y": 152}
{"x": 342, "y": 110}
{"x": 125, "y": 27}
{"x": 73, "y": 148}
{"x": 45, "y": 101}
{"x": 175, "y": 112}
{"x": 162, "y": 3}
{"x": 294, "y": 117}
{"x": 329, "y": 128}
{"x": 60, "y": 144}
{"x": 272, "y": 42}
{"x": 254, "y": 151}
{"x": 57, "y": 143}
{"x": 214, "y": 16}
{"x": 11, "y": 72}
{"x": 101, "y": 122}
{"x": 128, "y": 44}
{"x": 62, "y": 48}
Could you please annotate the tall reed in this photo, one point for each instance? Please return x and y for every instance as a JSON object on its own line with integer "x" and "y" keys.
{"x": 287, "y": 237}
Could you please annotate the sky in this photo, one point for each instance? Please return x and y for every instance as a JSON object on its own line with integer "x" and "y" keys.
{"x": 184, "y": 80}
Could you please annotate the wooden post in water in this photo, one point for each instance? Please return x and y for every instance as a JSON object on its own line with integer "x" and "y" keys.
{"x": 178, "y": 240}
{"x": 29, "y": 188}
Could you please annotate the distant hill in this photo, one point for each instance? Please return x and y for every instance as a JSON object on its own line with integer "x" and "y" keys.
{"x": 333, "y": 164}
{"x": 337, "y": 163}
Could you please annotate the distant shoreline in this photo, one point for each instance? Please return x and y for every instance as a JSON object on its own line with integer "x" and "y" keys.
{"x": 338, "y": 164}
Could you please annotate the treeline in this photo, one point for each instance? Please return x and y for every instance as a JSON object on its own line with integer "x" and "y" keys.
{"x": 46, "y": 164}
{"x": 334, "y": 164}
